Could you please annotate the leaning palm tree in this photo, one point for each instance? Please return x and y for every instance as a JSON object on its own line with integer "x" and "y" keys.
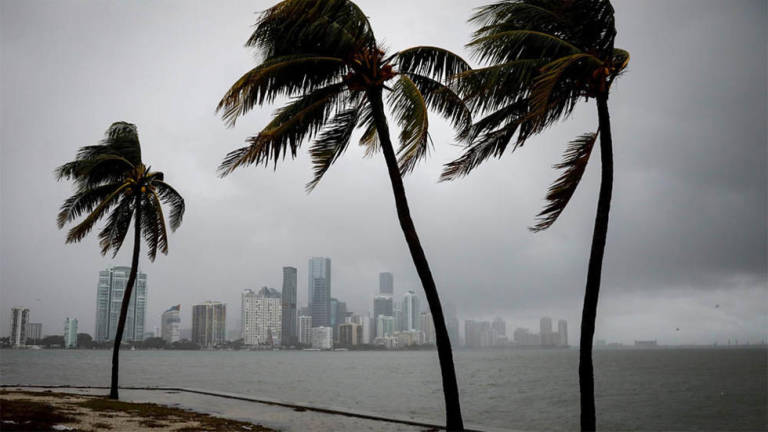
{"x": 323, "y": 55}
{"x": 544, "y": 56}
{"x": 111, "y": 180}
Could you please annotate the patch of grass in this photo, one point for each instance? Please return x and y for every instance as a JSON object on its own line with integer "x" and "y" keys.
{"x": 27, "y": 415}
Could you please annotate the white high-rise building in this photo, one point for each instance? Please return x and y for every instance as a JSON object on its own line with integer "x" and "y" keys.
{"x": 171, "y": 324}
{"x": 19, "y": 320}
{"x": 109, "y": 298}
{"x": 410, "y": 312}
{"x": 262, "y": 316}
{"x": 305, "y": 330}
{"x": 322, "y": 338}
{"x": 70, "y": 333}
{"x": 34, "y": 332}
{"x": 428, "y": 327}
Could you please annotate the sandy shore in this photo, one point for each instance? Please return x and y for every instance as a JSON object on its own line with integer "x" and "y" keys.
{"x": 50, "y": 411}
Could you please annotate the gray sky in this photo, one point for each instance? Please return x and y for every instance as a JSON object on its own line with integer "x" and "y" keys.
{"x": 688, "y": 222}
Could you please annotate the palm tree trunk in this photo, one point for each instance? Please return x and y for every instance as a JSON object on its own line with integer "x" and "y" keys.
{"x": 589, "y": 312}
{"x": 453, "y": 420}
{"x": 126, "y": 300}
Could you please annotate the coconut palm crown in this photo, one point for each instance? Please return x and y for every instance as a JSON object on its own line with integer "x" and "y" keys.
{"x": 110, "y": 180}
{"x": 544, "y": 56}
{"x": 323, "y": 56}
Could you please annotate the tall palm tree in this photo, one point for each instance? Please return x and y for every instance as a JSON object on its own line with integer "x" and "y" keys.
{"x": 544, "y": 56}
{"x": 110, "y": 176}
{"x": 324, "y": 56}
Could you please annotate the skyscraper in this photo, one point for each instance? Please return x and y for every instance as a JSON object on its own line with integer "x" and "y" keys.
{"x": 262, "y": 316}
{"x": 70, "y": 333}
{"x": 288, "y": 330}
{"x": 428, "y": 327}
{"x": 209, "y": 324}
{"x": 386, "y": 284}
{"x": 451, "y": 323}
{"x": 562, "y": 332}
{"x": 500, "y": 326}
{"x": 109, "y": 298}
{"x": 382, "y": 305}
{"x": 171, "y": 324}
{"x": 305, "y": 330}
{"x": 19, "y": 320}
{"x": 547, "y": 336}
{"x": 319, "y": 290}
{"x": 410, "y": 312}
{"x": 34, "y": 332}
{"x": 350, "y": 334}
{"x": 385, "y": 326}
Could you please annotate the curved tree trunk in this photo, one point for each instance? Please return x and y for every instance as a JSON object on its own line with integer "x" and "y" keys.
{"x": 126, "y": 300}
{"x": 589, "y": 312}
{"x": 453, "y": 420}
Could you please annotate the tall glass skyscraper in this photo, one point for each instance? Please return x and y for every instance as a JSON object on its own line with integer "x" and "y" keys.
{"x": 109, "y": 297}
{"x": 319, "y": 290}
{"x": 411, "y": 312}
{"x": 290, "y": 335}
{"x": 386, "y": 284}
{"x": 209, "y": 324}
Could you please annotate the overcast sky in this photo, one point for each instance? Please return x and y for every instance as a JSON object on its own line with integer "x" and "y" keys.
{"x": 688, "y": 221}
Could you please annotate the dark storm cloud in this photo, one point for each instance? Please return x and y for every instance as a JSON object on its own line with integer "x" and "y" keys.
{"x": 688, "y": 224}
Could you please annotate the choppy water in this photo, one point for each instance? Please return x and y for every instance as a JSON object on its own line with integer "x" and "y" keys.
{"x": 663, "y": 389}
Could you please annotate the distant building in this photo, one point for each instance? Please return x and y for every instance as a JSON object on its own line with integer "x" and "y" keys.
{"x": 289, "y": 332}
{"x": 34, "y": 331}
{"x": 109, "y": 299}
{"x": 186, "y": 334}
{"x": 319, "y": 290}
{"x": 646, "y": 344}
{"x": 562, "y": 332}
{"x": 209, "y": 324}
{"x": 19, "y": 320}
{"x": 70, "y": 333}
{"x": 382, "y": 305}
{"x": 350, "y": 334}
{"x": 500, "y": 326}
{"x": 410, "y": 312}
{"x": 170, "y": 321}
{"x": 322, "y": 337}
{"x": 385, "y": 326}
{"x": 451, "y": 323}
{"x": 548, "y": 337}
{"x": 522, "y": 337}
{"x": 386, "y": 284}
{"x": 262, "y": 316}
{"x": 428, "y": 327}
{"x": 305, "y": 330}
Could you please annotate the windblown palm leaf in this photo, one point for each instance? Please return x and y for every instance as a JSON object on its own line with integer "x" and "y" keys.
{"x": 323, "y": 56}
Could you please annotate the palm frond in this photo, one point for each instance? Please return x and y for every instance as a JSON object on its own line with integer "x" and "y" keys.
{"x": 574, "y": 164}
{"x": 489, "y": 144}
{"x": 497, "y": 85}
{"x": 332, "y": 143}
{"x": 370, "y": 137}
{"x": 83, "y": 201}
{"x": 506, "y": 46}
{"x": 116, "y": 228}
{"x": 410, "y": 110}
{"x": 300, "y": 119}
{"x": 444, "y": 100}
{"x": 436, "y": 63}
{"x": 153, "y": 226}
{"x": 171, "y": 197}
{"x": 282, "y": 76}
{"x": 78, "y": 232}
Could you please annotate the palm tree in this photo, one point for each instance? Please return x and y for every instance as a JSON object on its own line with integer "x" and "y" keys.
{"x": 324, "y": 56}
{"x": 108, "y": 177}
{"x": 544, "y": 56}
